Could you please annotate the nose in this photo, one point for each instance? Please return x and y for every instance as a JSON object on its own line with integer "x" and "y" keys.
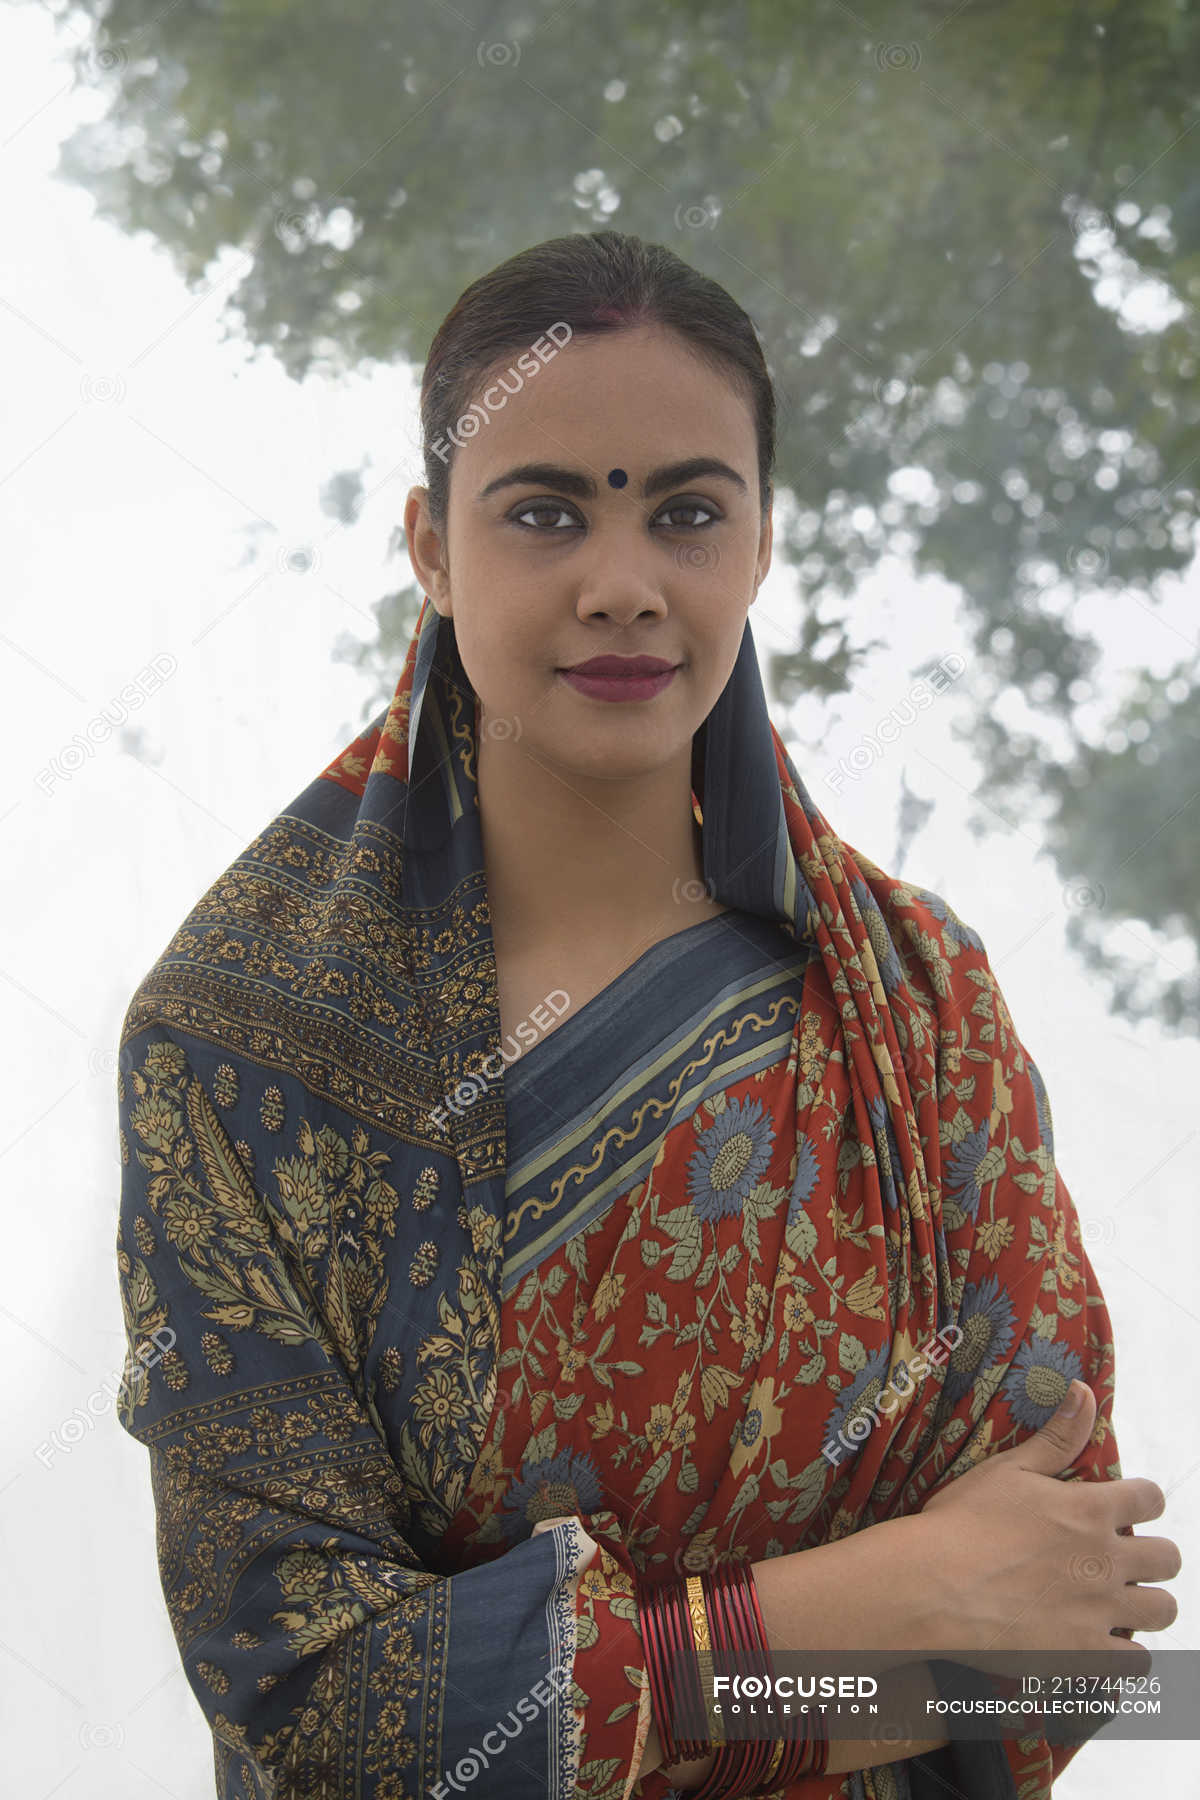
{"x": 615, "y": 589}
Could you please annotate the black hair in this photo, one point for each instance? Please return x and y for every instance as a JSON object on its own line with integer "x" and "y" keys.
{"x": 592, "y": 282}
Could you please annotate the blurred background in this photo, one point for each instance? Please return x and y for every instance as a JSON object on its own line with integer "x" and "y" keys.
{"x": 969, "y": 236}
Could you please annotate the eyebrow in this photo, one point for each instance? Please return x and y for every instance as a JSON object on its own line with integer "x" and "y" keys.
{"x": 570, "y": 481}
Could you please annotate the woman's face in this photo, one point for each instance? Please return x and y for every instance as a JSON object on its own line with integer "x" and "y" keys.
{"x": 547, "y": 568}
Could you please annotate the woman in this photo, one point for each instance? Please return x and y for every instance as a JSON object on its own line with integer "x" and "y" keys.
{"x": 551, "y": 1154}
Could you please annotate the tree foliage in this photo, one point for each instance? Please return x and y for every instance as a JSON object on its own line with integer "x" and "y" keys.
{"x": 970, "y": 247}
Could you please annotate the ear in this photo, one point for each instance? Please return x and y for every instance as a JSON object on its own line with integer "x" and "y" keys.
{"x": 763, "y": 562}
{"x": 426, "y": 550}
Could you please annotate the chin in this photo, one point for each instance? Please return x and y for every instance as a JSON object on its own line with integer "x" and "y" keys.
{"x": 617, "y": 753}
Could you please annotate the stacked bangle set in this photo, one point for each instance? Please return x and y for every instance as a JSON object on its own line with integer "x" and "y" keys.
{"x": 683, "y": 1623}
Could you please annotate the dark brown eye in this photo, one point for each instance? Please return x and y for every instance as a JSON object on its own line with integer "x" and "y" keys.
{"x": 540, "y": 506}
{"x": 530, "y": 509}
{"x": 690, "y": 506}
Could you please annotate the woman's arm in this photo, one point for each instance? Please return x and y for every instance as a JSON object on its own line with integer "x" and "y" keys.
{"x": 323, "y": 1650}
{"x": 913, "y": 1683}
{"x": 870, "y": 1590}
{"x": 986, "y": 1565}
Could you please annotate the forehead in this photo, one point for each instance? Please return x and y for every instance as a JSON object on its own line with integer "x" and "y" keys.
{"x": 628, "y": 398}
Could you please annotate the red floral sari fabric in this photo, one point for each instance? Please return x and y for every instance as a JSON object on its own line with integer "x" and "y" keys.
{"x": 699, "y": 1375}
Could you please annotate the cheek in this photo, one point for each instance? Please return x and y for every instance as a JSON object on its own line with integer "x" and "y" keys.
{"x": 717, "y": 667}
{"x": 501, "y": 655}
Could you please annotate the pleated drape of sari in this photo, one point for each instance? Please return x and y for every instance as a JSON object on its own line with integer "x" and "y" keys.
{"x": 425, "y": 1408}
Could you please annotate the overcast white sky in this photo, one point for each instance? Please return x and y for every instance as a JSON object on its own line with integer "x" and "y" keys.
{"x": 154, "y": 481}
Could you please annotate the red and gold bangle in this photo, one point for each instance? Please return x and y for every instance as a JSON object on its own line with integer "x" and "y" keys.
{"x": 691, "y": 1686}
{"x": 734, "y": 1768}
{"x": 813, "y": 1728}
{"x": 705, "y": 1642}
{"x": 727, "y": 1777}
{"x": 788, "y": 1761}
{"x": 666, "y": 1667}
{"x": 675, "y": 1671}
{"x": 754, "y": 1652}
{"x": 784, "y": 1756}
{"x": 779, "y": 1750}
{"x": 811, "y": 1724}
{"x": 685, "y": 1624}
{"x": 656, "y": 1670}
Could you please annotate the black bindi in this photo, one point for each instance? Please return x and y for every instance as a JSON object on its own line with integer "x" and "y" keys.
{"x": 617, "y": 478}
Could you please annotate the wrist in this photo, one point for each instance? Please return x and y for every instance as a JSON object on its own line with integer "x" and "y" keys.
{"x": 876, "y": 1590}
{"x": 927, "y": 1618}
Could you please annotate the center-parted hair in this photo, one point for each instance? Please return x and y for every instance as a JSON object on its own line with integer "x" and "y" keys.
{"x": 593, "y": 282}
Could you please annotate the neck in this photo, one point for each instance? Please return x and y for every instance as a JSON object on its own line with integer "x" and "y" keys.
{"x": 571, "y": 859}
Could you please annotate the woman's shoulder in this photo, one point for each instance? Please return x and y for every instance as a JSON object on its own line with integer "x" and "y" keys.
{"x": 265, "y": 916}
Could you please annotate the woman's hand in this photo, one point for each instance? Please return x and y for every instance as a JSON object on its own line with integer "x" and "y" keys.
{"x": 1024, "y": 1561}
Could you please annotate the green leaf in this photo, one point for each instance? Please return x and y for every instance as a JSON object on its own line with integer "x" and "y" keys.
{"x": 800, "y": 1236}
{"x": 542, "y": 1446}
{"x": 991, "y": 1166}
{"x": 685, "y": 1258}
{"x": 654, "y": 1476}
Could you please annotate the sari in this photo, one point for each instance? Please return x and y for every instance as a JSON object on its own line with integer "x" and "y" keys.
{"x": 423, "y": 1417}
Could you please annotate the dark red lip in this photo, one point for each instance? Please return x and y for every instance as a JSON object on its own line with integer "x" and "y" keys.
{"x": 622, "y": 665}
